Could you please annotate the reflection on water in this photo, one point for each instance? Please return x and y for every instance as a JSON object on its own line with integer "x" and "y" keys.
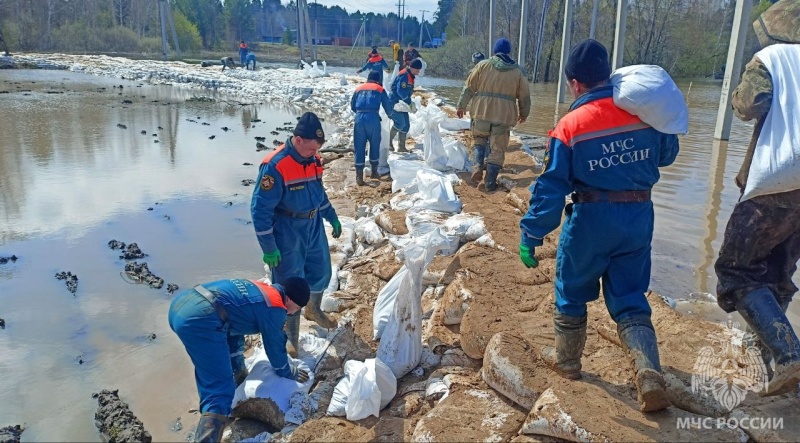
{"x": 71, "y": 180}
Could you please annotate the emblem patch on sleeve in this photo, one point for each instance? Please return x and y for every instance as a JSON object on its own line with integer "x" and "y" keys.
{"x": 267, "y": 182}
{"x": 403, "y": 85}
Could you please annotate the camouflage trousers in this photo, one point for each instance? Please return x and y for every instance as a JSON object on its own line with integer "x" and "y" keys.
{"x": 760, "y": 249}
{"x": 488, "y": 134}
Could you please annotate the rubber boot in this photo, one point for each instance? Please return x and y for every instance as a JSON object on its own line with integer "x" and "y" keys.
{"x": 401, "y": 141}
{"x": 478, "y": 158}
{"x": 210, "y": 428}
{"x": 565, "y": 357}
{"x": 292, "y": 329}
{"x": 392, "y": 134}
{"x": 239, "y": 369}
{"x": 638, "y": 338}
{"x": 313, "y": 312}
{"x": 491, "y": 177}
{"x": 360, "y": 176}
{"x": 374, "y": 171}
{"x": 763, "y": 313}
{"x": 752, "y": 341}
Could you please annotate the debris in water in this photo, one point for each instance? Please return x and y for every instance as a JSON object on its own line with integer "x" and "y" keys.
{"x": 247, "y": 164}
{"x": 225, "y": 128}
{"x": 115, "y": 420}
{"x": 127, "y": 102}
{"x": 2, "y": 323}
{"x": 140, "y": 273}
{"x": 171, "y": 288}
{"x": 212, "y": 137}
{"x": 11, "y": 434}
{"x": 71, "y": 280}
{"x": 248, "y": 182}
{"x": 120, "y": 125}
{"x": 260, "y": 147}
{"x": 4, "y": 260}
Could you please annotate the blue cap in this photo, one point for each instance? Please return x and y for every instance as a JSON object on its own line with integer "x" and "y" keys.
{"x": 502, "y": 46}
{"x": 310, "y": 128}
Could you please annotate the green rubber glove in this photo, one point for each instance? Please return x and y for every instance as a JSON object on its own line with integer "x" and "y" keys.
{"x": 526, "y": 254}
{"x": 272, "y": 258}
{"x": 413, "y": 108}
{"x": 337, "y": 228}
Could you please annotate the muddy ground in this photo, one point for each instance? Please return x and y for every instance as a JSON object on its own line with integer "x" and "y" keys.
{"x": 487, "y": 327}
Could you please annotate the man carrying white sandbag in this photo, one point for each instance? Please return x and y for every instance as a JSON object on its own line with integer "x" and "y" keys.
{"x": 761, "y": 247}
{"x": 608, "y": 159}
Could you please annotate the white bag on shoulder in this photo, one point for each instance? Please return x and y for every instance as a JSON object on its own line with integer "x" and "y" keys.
{"x": 648, "y": 92}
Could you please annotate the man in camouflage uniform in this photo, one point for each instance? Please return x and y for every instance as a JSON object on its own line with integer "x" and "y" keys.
{"x": 761, "y": 247}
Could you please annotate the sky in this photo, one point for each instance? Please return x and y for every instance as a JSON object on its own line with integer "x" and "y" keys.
{"x": 413, "y": 7}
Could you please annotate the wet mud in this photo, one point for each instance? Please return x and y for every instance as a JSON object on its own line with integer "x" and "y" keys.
{"x": 70, "y": 280}
{"x": 115, "y": 420}
{"x": 129, "y": 252}
{"x": 140, "y": 273}
{"x": 11, "y": 434}
{"x": 12, "y": 259}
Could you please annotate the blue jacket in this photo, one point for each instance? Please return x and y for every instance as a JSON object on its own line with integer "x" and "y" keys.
{"x": 402, "y": 87}
{"x": 369, "y": 97}
{"x": 251, "y": 311}
{"x": 595, "y": 147}
{"x": 288, "y": 182}
{"x": 375, "y": 63}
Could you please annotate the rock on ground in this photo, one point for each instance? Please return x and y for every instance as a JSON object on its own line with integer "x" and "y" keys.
{"x": 470, "y": 414}
{"x": 116, "y": 421}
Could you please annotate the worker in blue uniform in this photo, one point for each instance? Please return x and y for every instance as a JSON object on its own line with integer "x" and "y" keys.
{"x": 402, "y": 88}
{"x": 288, "y": 207}
{"x": 375, "y": 63}
{"x": 366, "y": 103}
{"x": 212, "y": 319}
{"x": 251, "y": 60}
{"x": 608, "y": 160}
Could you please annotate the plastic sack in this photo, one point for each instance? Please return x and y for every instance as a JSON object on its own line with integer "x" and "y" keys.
{"x": 388, "y": 79}
{"x": 342, "y": 80}
{"x": 403, "y": 172}
{"x": 383, "y": 157}
{"x": 263, "y": 382}
{"x": 384, "y": 304}
{"x": 433, "y": 151}
{"x": 468, "y": 227}
{"x": 368, "y": 232}
{"x": 456, "y": 155}
{"x": 401, "y": 342}
{"x": 401, "y": 107}
{"x": 367, "y": 388}
{"x": 437, "y": 192}
{"x": 648, "y": 92}
{"x": 775, "y": 166}
{"x": 455, "y": 124}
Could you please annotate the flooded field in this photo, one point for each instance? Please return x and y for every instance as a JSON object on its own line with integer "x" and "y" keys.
{"x": 83, "y": 162}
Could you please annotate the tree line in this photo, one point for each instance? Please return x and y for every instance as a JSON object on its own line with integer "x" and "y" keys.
{"x": 686, "y": 37}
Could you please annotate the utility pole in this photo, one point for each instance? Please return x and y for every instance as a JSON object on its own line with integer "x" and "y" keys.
{"x": 421, "y": 27}
{"x": 733, "y": 68}
{"x": 619, "y": 34}
{"x": 163, "y": 20}
{"x": 523, "y": 33}
{"x": 594, "y": 19}
{"x": 492, "y": 8}
{"x": 171, "y": 21}
{"x": 539, "y": 42}
{"x": 566, "y": 38}
{"x": 403, "y": 22}
{"x": 399, "y": 20}
{"x": 307, "y": 27}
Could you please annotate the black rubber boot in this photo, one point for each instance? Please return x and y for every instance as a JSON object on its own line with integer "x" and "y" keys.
{"x": 401, "y": 141}
{"x": 374, "y": 171}
{"x": 392, "y": 134}
{"x": 491, "y": 176}
{"x": 210, "y": 428}
{"x": 638, "y": 338}
{"x": 359, "y": 176}
{"x": 752, "y": 340}
{"x": 764, "y": 315}
{"x": 314, "y": 313}
{"x": 565, "y": 357}
{"x": 478, "y": 158}
{"x": 292, "y": 329}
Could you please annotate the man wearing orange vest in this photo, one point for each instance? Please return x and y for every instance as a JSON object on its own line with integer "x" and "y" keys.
{"x": 366, "y": 103}
{"x": 375, "y": 63}
{"x": 212, "y": 319}
{"x": 288, "y": 207}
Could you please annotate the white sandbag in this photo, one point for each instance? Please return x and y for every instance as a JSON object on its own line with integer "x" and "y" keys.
{"x": 776, "y": 161}
{"x": 333, "y": 285}
{"x": 417, "y": 120}
{"x": 468, "y": 227}
{"x": 368, "y": 232}
{"x": 401, "y": 342}
{"x": 456, "y": 155}
{"x": 341, "y": 392}
{"x": 455, "y": 124}
{"x": 263, "y": 382}
{"x": 434, "y": 154}
{"x": 342, "y": 80}
{"x": 388, "y": 79}
{"x": 383, "y": 158}
{"x": 373, "y": 388}
{"x": 421, "y": 221}
{"x": 384, "y": 304}
{"x": 401, "y": 107}
{"x": 648, "y": 92}
{"x": 403, "y": 172}
{"x": 437, "y": 192}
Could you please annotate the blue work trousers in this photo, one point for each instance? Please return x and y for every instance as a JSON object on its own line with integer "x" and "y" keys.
{"x": 304, "y": 251}
{"x": 213, "y": 352}
{"x": 609, "y": 241}
{"x": 401, "y": 121}
{"x": 367, "y": 128}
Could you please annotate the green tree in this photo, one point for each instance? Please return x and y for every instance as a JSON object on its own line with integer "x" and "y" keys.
{"x": 188, "y": 34}
{"x": 241, "y": 21}
{"x": 287, "y": 37}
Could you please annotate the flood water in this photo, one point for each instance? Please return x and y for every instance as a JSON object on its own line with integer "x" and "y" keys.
{"x": 71, "y": 180}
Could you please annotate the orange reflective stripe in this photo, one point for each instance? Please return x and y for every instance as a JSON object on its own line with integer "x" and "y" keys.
{"x": 369, "y": 86}
{"x": 271, "y": 295}
{"x": 375, "y": 59}
{"x": 582, "y": 123}
{"x": 269, "y": 156}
